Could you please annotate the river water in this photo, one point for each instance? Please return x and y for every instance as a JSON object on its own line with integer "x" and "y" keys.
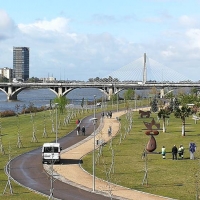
{"x": 42, "y": 97}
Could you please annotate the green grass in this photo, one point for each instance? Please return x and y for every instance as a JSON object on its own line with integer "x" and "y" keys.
{"x": 175, "y": 179}
{"x": 171, "y": 178}
{"x": 11, "y": 126}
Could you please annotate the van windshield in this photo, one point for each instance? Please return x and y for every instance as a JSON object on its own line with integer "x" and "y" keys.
{"x": 50, "y": 149}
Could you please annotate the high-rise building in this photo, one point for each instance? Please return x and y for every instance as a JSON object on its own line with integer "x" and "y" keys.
{"x": 21, "y": 63}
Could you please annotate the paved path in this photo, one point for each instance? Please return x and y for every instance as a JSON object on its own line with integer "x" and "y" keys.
{"x": 76, "y": 176}
{"x": 28, "y": 171}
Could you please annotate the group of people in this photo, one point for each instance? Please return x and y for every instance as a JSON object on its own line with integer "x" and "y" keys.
{"x": 179, "y": 152}
{"x": 78, "y": 128}
{"x": 109, "y": 114}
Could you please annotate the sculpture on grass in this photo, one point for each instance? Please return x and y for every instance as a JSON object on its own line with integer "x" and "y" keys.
{"x": 152, "y": 130}
{"x": 144, "y": 113}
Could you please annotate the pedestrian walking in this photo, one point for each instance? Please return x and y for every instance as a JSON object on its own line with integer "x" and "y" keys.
{"x": 77, "y": 122}
{"x": 78, "y": 129}
{"x": 174, "y": 152}
{"x": 107, "y": 114}
{"x": 83, "y": 130}
{"x": 163, "y": 152}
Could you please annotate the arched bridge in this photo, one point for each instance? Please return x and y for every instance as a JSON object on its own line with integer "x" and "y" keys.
{"x": 62, "y": 89}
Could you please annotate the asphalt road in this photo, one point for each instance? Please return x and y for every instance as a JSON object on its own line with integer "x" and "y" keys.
{"x": 27, "y": 169}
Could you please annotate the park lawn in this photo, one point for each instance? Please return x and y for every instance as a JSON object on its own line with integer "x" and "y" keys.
{"x": 24, "y": 124}
{"x": 176, "y": 179}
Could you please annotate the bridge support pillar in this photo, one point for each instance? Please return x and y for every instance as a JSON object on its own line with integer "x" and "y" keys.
{"x": 162, "y": 93}
{"x": 110, "y": 93}
{"x": 10, "y": 95}
{"x": 60, "y": 92}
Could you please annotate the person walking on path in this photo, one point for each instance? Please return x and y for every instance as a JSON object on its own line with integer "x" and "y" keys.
{"x": 78, "y": 129}
{"x": 163, "y": 152}
{"x": 174, "y": 152}
{"x": 83, "y": 130}
{"x": 77, "y": 122}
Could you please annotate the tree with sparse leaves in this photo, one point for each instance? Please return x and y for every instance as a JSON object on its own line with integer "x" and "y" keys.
{"x": 62, "y": 101}
{"x": 182, "y": 113}
{"x": 163, "y": 114}
{"x": 154, "y": 105}
{"x": 129, "y": 94}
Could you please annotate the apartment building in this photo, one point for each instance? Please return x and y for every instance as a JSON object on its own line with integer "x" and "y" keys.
{"x": 21, "y": 63}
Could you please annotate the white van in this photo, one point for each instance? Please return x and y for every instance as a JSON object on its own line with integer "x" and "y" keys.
{"x": 51, "y": 152}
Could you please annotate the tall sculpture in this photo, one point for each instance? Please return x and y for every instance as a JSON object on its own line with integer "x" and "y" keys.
{"x": 152, "y": 130}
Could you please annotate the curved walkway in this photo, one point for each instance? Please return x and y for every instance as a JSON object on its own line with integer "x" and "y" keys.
{"x": 27, "y": 170}
{"x": 73, "y": 173}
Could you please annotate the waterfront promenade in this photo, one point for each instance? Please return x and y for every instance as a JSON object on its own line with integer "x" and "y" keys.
{"x": 73, "y": 173}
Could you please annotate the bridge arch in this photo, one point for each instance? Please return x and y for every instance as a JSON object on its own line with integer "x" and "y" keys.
{"x": 12, "y": 92}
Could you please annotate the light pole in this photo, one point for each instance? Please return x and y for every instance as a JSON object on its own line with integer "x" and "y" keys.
{"x": 117, "y": 102}
{"x": 94, "y": 123}
{"x": 56, "y": 106}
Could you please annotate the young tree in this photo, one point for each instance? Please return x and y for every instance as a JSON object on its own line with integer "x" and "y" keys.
{"x": 129, "y": 94}
{"x": 163, "y": 114}
{"x": 174, "y": 104}
{"x": 154, "y": 105}
{"x": 182, "y": 113}
{"x": 62, "y": 102}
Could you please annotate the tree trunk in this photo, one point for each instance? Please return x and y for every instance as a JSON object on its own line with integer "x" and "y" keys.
{"x": 164, "y": 126}
{"x": 183, "y": 128}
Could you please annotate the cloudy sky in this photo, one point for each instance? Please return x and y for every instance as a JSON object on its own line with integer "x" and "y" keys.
{"x": 82, "y": 39}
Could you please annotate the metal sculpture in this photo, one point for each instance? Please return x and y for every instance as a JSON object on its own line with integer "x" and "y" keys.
{"x": 144, "y": 113}
{"x": 152, "y": 130}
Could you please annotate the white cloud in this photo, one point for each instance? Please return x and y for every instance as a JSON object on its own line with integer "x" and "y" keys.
{"x": 187, "y": 21}
{"x": 193, "y": 39}
{"x": 7, "y": 26}
{"x": 59, "y": 25}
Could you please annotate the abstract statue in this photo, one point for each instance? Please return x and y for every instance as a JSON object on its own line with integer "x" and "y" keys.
{"x": 152, "y": 130}
{"x": 144, "y": 113}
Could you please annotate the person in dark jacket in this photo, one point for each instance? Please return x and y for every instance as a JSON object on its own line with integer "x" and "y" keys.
{"x": 83, "y": 130}
{"x": 78, "y": 129}
{"x": 174, "y": 152}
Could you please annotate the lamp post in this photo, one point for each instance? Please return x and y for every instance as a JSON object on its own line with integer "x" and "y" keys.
{"x": 94, "y": 123}
{"x": 117, "y": 102}
{"x": 56, "y": 106}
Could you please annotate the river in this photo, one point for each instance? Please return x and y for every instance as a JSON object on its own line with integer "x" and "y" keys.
{"x": 42, "y": 97}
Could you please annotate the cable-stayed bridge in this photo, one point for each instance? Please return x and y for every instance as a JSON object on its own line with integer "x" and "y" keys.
{"x": 147, "y": 70}
{"x": 143, "y": 73}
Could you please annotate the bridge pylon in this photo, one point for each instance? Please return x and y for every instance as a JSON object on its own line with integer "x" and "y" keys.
{"x": 144, "y": 70}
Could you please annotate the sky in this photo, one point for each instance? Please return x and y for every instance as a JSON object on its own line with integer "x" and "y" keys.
{"x": 82, "y": 39}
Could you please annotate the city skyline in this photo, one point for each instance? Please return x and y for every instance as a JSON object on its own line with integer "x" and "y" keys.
{"x": 87, "y": 39}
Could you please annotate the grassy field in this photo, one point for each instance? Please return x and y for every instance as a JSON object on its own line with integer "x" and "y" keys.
{"x": 24, "y": 125}
{"x": 172, "y": 178}
{"x": 177, "y": 179}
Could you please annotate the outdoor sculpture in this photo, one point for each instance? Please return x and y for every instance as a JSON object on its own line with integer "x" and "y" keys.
{"x": 144, "y": 113}
{"x": 152, "y": 130}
